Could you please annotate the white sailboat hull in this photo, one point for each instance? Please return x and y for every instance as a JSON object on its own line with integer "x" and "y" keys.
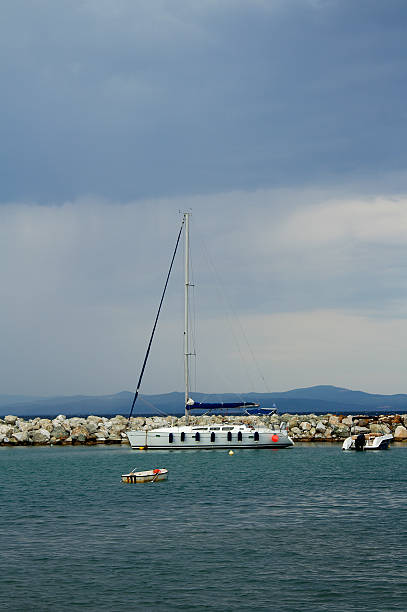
{"x": 183, "y": 438}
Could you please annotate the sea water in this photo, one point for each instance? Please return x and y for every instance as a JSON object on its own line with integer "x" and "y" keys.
{"x": 306, "y": 528}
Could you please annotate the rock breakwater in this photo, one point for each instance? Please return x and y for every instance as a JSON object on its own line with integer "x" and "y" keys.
{"x": 15, "y": 431}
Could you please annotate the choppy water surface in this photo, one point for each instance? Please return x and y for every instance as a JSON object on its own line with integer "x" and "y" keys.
{"x": 308, "y": 528}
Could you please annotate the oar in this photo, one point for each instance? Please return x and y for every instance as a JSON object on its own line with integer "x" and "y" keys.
{"x": 155, "y": 477}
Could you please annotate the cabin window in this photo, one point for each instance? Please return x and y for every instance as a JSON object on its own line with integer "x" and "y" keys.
{"x": 214, "y": 428}
{"x": 250, "y": 436}
{"x": 199, "y": 429}
{"x": 227, "y": 428}
{"x": 157, "y": 435}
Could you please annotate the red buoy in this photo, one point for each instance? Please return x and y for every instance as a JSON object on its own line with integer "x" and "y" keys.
{"x": 274, "y": 437}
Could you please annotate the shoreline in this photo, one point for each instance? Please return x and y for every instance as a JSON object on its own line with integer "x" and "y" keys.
{"x": 92, "y": 430}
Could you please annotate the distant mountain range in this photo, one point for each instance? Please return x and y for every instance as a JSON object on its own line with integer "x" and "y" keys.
{"x": 320, "y": 399}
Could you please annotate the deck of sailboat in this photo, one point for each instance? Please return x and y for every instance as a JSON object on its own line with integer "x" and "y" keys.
{"x": 222, "y": 427}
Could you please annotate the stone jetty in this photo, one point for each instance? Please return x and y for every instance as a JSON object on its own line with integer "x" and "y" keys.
{"x": 15, "y": 431}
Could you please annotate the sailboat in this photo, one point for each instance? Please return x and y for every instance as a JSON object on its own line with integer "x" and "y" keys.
{"x": 188, "y": 436}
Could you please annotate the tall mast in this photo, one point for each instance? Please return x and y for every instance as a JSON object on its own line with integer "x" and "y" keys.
{"x": 186, "y": 313}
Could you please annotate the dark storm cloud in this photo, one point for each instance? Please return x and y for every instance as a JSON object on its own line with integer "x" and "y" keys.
{"x": 129, "y": 99}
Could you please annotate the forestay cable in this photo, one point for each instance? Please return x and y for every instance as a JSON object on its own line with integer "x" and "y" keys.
{"x": 155, "y": 322}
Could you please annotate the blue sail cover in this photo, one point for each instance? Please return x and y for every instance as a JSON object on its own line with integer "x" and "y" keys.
{"x": 221, "y": 405}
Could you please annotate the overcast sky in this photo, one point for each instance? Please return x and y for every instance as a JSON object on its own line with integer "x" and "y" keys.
{"x": 280, "y": 124}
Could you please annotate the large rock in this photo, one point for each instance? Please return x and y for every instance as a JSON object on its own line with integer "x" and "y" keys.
{"x": 10, "y": 419}
{"x": 20, "y": 425}
{"x": 334, "y": 420}
{"x": 41, "y": 436}
{"x": 79, "y": 434}
{"x": 76, "y": 422}
{"x": 20, "y": 436}
{"x": 60, "y": 433}
{"x": 46, "y": 424}
{"x": 293, "y": 422}
{"x": 25, "y": 425}
{"x": 121, "y": 417}
{"x": 400, "y": 433}
{"x": 6, "y": 430}
{"x": 347, "y": 421}
{"x": 92, "y": 427}
{"x": 94, "y": 419}
{"x": 59, "y": 420}
{"x": 342, "y": 431}
{"x": 117, "y": 428}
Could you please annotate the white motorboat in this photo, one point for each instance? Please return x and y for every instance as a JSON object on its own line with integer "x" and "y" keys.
{"x": 372, "y": 441}
{"x": 366, "y": 441}
{"x": 225, "y": 435}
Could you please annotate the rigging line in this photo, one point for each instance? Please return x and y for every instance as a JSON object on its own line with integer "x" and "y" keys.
{"x": 229, "y": 310}
{"x": 238, "y": 321}
{"x": 196, "y": 323}
{"x": 156, "y": 321}
{"x": 151, "y": 405}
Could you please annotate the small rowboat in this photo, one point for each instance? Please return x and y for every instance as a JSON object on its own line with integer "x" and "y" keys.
{"x": 148, "y": 476}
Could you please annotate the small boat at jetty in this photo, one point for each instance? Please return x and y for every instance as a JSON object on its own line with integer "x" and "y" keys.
{"x": 225, "y": 435}
{"x": 148, "y": 476}
{"x": 366, "y": 441}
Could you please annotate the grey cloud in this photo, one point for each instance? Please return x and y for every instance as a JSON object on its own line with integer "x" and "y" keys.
{"x": 137, "y": 99}
{"x": 81, "y": 283}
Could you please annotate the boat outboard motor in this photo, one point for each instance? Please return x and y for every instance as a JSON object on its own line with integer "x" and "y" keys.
{"x": 360, "y": 442}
